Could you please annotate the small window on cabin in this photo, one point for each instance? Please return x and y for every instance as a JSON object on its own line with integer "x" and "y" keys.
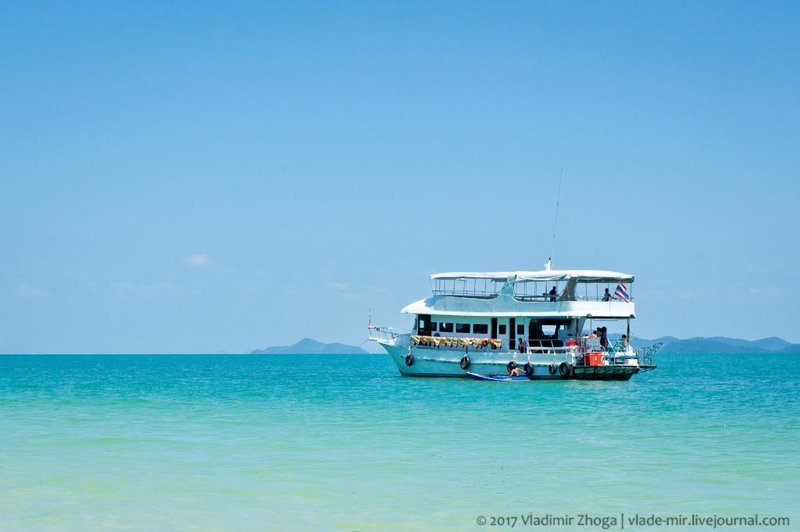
{"x": 550, "y": 330}
{"x": 433, "y": 325}
{"x": 501, "y": 329}
{"x": 520, "y": 330}
{"x": 445, "y": 327}
{"x": 480, "y": 328}
{"x": 462, "y": 327}
{"x": 421, "y": 325}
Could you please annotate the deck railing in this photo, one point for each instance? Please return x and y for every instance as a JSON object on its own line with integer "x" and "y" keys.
{"x": 478, "y": 294}
{"x": 540, "y": 350}
{"x": 490, "y": 293}
{"x": 477, "y": 288}
{"x": 499, "y": 345}
{"x": 547, "y": 298}
{"x": 382, "y": 334}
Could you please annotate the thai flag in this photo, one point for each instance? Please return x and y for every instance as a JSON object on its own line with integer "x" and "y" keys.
{"x": 622, "y": 292}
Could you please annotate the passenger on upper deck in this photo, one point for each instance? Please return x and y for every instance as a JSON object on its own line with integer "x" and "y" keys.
{"x": 607, "y": 295}
{"x": 553, "y": 294}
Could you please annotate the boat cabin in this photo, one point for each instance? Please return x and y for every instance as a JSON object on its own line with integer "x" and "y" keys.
{"x": 546, "y": 309}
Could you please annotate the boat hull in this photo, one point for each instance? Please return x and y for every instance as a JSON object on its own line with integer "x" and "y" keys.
{"x": 419, "y": 362}
{"x": 604, "y": 373}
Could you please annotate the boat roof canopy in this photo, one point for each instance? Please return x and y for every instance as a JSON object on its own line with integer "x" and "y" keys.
{"x": 597, "y": 276}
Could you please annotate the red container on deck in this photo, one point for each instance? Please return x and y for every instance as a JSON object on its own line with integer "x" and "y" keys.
{"x": 593, "y": 359}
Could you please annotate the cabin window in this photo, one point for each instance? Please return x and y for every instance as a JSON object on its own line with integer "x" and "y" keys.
{"x": 445, "y": 327}
{"x": 433, "y": 325}
{"x": 424, "y": 325}
{"x": 462, "y": 327}
{"x": 520, "y": 330}
{"x": 480, "y": 328}
{"x": 550, "y": 330}
{"x": 547, "y": 328}
{"x": 501, "y": 329}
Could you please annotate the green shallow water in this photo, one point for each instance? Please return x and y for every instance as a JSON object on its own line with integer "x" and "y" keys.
{"x": 344, "y": 442}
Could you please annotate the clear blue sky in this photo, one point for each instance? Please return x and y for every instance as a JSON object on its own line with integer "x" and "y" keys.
{"x": 204, "y": 177}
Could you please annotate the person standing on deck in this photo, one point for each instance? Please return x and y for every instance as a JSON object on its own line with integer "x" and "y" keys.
{"x": 603, "y": 337}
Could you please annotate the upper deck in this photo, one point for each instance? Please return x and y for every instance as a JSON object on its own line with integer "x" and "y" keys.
{"x": 546, "y": 293}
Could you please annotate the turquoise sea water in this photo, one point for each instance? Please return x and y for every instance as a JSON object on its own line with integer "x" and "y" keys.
{"x": 344, "y": 442}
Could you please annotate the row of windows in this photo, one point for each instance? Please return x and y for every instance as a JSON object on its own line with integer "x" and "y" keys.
{"x": 467, "y": 328}
{"x": 501, "y": 329}
{"x": 477, "y": 328}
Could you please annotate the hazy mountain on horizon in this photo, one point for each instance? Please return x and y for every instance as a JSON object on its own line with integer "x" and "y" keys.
{"x": 307, "y": 346}
{"x": 718, "y": 345}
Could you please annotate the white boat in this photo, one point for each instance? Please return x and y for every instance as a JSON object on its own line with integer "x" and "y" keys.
{"x": 540, "y": 324}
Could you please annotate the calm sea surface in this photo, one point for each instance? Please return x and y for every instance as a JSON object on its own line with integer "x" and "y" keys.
{"x": 344, "y": 442}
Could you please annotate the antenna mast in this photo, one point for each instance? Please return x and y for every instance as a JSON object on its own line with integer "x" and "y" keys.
{"x": 555, "y": 222}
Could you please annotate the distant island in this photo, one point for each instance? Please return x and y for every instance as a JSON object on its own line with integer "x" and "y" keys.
{"x": 307, "y": 346}
{"x": 719, "y": 345}
{"x": 709, "y": 345}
